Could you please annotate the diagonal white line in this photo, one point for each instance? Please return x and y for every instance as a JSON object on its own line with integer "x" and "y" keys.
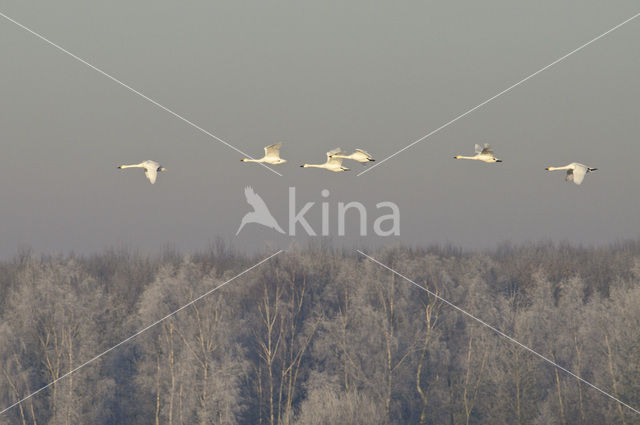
{"x": 139, "y": 332}
{"x": 499, "y": 332}
{"x": 114, "y": 79}
{"x": 480, "y": 105}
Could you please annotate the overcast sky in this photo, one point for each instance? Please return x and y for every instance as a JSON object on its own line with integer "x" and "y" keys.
{"x": 315, "y": 75}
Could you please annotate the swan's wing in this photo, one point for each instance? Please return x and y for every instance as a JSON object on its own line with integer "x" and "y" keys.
{"x": 254, "y": 199}
{"x": 151, "y": 173}
{"x": 335, "y": 151}
{"x": 569, "y": 176}
{"x": 150, "y": 164}
{"x": 334, "y": 160}
{"x": 364, "y": 152}
{"x": 478, "y": 148}
{"x": 273, "y": 150}
{"x": 486, "y": 150}
{"x": 578, "y": 173}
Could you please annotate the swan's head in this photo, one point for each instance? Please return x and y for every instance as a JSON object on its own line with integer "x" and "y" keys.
{"x": 303, "y": 166}
{"x": 282, "y": 161}
{"x": 592, "y": 169}
{"x": 456, "y": 157}
{"x": 244, "y": 160}
{"x": 162, "y": 169}
{"x": 547, "y": 168}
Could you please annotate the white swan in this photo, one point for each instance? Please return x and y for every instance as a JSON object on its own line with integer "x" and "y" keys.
{"x": 151, "y": 169}
{"x": 575, "y": 171}
{"x": 271, "y": 155}
{"x": 483, "y": 153}
{"x": 359, "y": 155}
{"x": 334, "y": 162}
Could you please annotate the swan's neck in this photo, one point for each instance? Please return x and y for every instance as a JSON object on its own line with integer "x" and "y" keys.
{"x": 558, "y": 168}
{"x": 132, "y": 166}
{"x": 252, "y": 160}
{"x": 465, "y": 157}
{"x": 313, "y": 165}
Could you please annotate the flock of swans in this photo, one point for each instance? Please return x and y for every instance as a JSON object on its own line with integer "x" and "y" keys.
{"x": 333, "y": 162}
{"x": 575, "y": 171}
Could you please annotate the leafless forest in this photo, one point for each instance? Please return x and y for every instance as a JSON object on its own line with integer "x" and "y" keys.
{"x": 317, "y": 336}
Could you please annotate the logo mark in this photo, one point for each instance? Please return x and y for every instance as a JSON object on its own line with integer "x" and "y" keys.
{"x": 260, "y": 213}
{"x": 384, "y": 225}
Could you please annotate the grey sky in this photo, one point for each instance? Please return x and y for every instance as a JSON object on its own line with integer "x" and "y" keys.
{"x": 369, "y": 74}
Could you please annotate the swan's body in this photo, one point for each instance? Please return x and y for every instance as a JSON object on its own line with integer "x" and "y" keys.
{"x": 575, "y": 171}
{"x": 260, "y": 213}
{"x": 359, "y": 155}
{"x": 151, "y": 169}
{"x": 483, "y": 153}
{"x": 271, "y": 155}
{"x": 334, "y": 162}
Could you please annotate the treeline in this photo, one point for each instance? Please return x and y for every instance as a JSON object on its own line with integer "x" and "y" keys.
{"x": 316, "y": 336}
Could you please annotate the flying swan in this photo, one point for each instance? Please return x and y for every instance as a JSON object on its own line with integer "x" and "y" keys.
{"x": 151, "y": 169}
{"x": 271, "y": 155}
{"x": 483, "y": 153}
{"x": 575, "y": 171}
{"x": 334, "y": 162}
{"x": 359, "y": 155}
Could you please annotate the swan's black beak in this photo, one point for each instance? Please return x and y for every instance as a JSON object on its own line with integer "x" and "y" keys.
{"x": 302, "y": 166}
{"x": 498, "y": 160}
{"x": 593, "y": 169}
